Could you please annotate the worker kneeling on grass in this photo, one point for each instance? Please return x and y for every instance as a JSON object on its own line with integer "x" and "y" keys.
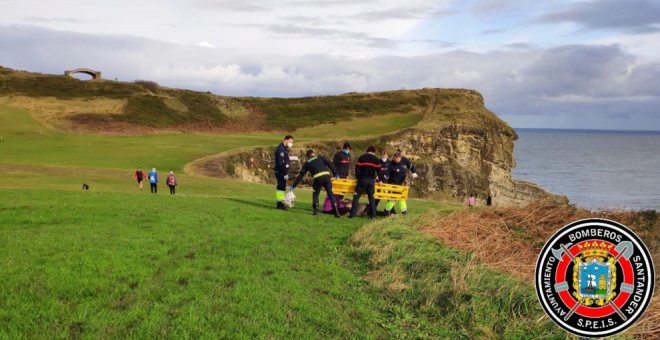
{"x": 320, "y": 169}
{"x": 396, "y": 175}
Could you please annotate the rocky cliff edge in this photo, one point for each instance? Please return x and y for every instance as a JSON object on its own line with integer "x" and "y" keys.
{"x": 459, "y": 148}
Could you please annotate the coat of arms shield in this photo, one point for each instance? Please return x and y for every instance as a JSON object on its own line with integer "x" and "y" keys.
{"x": 594, "y": 279}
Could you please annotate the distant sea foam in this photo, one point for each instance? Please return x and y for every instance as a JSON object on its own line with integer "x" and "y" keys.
{"x": 594, "y": 169}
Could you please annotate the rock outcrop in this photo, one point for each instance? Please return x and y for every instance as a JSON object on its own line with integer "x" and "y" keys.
{"x": 459, "y": 148}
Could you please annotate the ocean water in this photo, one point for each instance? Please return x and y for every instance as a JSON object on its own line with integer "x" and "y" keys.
{"x": 594, "y": 169}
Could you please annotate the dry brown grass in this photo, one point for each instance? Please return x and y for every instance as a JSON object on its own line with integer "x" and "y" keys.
{"x": 51, "y": 106}
{"x": 510, "y": 239}
{"x": 51, "y": 111}
{"x": 100, "y": 115}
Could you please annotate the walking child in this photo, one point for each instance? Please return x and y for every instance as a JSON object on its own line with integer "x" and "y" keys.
{"x": 171, "y": 182}
{"x": 139, "y": 177}
{"x": 153, "y": 181}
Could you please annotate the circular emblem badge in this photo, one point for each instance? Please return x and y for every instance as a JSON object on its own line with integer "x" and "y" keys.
{"x": 594, "y": 278}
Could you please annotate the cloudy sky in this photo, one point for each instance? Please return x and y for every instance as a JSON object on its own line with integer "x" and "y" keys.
{"x": 547, "y": 64}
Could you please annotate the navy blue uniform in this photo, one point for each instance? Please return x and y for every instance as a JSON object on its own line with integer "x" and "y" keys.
{"x": 282, "y": 165}
{"x": 397, "y": 171}
{"x": 342, "y": 163}
{"x": 367, "y": 167}
{"x": 282, "y": 161}
{"x": 366, "y": 171}
{"x": 396, "y": 174}
{"x": 383, "y": 173}
{"x": 320, "y": 168}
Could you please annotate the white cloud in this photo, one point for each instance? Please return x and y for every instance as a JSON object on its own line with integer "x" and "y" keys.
{"x": 205, "y": 44}
{"x": 646, "y": 46}
{"x": 582, "y": 85}
{"x": 585, "y": 99}
{"x": 291, "y": 27}
{"x": 544, "y": 59}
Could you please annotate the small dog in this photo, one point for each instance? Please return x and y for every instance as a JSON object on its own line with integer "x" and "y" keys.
{"x": 85, "y": 186}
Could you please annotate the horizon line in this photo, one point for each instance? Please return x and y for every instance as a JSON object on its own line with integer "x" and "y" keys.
{"x": 587, "y": 130}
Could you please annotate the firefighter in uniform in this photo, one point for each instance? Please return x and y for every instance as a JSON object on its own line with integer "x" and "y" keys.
{"x": 383, "y": 172}
{"x": 366, "y": 171}
{"x": 398, "y": 168}
{"x": 342, "y": 161}
{"x": 320, "y": 169}
{"x": 282, "y": 165}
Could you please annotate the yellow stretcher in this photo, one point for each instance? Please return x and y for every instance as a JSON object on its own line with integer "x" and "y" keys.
{"x": 346, "y": 187}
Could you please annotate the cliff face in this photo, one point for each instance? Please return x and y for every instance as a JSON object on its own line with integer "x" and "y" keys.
{"x": 458, "y": 149}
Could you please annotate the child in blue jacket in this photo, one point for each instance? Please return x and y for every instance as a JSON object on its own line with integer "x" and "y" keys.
{"x": 153, "y": 181}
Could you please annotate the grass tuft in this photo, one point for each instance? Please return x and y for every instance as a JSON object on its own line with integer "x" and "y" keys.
{"x": 438, "y": 291}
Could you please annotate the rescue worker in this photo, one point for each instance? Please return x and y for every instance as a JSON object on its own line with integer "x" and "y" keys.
{"x": 399, "y": 166}
{"x": 408, "y": 164}
{"x": 342, "y": 161}
{"x": 383, "y": 171}
{"x": 282, "y": 165}
{"x": 320, "y": 169}
{"x": 366, "y": 171}
{"x": 384, "y": 166}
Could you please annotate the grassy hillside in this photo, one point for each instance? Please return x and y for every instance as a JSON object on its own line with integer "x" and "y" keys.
{"x": 26, "y": 141}
{"x": 144, "y": 107}
{"x": 225, "y": 264}
{"x": 429, "y": 281}
{"x": 293, "y": 113}
{"x": 216, "y": 260}
{"x": 360, "y": 127}
{"x": 146, "y": 104}
{"x": 110, "y": 265}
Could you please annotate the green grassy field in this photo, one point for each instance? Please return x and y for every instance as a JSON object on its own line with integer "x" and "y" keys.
{"x": 27, "y": 142}
{"x": 216, "y": 260}
{"x": 126, "y": 264}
